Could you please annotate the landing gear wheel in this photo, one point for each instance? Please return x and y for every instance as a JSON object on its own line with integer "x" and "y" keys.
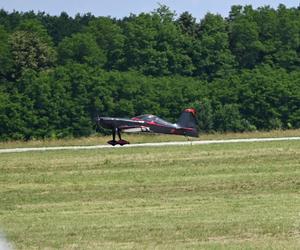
{"x": 122, "y": 142}
{"x": 112, "y": 142}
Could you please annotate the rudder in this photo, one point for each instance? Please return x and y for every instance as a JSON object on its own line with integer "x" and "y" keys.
{"x": 187, "y": 119}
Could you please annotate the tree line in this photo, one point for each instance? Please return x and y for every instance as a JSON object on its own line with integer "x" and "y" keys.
{"x": 57, "y": 73}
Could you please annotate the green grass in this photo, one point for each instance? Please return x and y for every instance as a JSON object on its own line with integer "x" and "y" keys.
{"x": 233, "y": 196}
{"x": 144, "y": 138}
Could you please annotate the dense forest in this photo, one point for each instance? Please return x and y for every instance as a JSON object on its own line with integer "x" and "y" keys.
{"x": 241, "y": 73}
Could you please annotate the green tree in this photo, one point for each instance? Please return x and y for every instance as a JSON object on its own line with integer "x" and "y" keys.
{"x": 288, "y": 30}
{"x": 12, "y": 124}
{"x": 5, "y": 55}
{"x": 62, "y": 26}
{"x": 110, "y": 39}
{"x": 155, "y": 45}
{"x": 244, "y": 38}
{"x": 187, "y": 24}
{"x": 211, "y": 54}
{"x": 204, "y": 114}
{"x": 35, "y": 27}
{"x": 81, "y": 48}
{"x": 228, "y": 118}
{"x": 31, "y": 48}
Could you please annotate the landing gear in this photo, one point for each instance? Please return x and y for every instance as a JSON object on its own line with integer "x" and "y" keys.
{"x": 113, "y": 142}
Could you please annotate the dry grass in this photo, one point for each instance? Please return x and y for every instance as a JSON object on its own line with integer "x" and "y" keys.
{"x": 142, "y": 138}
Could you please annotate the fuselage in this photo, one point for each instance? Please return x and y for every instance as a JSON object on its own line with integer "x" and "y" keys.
{"x": 145, "y": 123}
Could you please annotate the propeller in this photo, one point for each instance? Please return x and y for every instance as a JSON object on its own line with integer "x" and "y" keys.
{"x": 96, "y": 124}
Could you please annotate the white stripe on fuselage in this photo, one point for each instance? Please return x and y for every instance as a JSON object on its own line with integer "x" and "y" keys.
{"x": 135, "y": 130}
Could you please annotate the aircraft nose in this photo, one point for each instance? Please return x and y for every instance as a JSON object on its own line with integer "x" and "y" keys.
{"x": 99, "y": 119}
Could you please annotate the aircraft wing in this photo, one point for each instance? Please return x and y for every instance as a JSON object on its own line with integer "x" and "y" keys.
{"x": 125, "y": 125}
{"x": 132, "y": 126}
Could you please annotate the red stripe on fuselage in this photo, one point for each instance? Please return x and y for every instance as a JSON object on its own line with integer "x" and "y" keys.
{"x": 136, "y": 119}
{"x": 156, "y": 124}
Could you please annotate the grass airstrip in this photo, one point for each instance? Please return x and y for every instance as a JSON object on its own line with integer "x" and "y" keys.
{"x": 233, "y": 196}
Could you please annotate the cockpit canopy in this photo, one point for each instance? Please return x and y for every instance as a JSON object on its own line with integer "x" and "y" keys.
{"x": 152, "y": 118}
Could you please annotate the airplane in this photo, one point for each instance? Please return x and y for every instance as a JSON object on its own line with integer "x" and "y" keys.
{"x": 186, "y": 125}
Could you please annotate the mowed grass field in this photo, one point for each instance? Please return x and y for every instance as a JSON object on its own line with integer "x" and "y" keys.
{"x": 241, "y": 195}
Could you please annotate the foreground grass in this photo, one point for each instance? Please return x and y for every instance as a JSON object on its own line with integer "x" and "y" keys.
{"x": 198, "y": 197}
{"x": 144, "y": 138}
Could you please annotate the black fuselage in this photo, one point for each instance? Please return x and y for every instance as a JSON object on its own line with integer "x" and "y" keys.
{"x": 150, "y": 123}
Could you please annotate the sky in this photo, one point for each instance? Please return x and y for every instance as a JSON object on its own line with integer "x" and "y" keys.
{"x": 122, "y": 8}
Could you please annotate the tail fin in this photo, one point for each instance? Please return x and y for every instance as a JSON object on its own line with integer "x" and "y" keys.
{"x": 187, "y": 119}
